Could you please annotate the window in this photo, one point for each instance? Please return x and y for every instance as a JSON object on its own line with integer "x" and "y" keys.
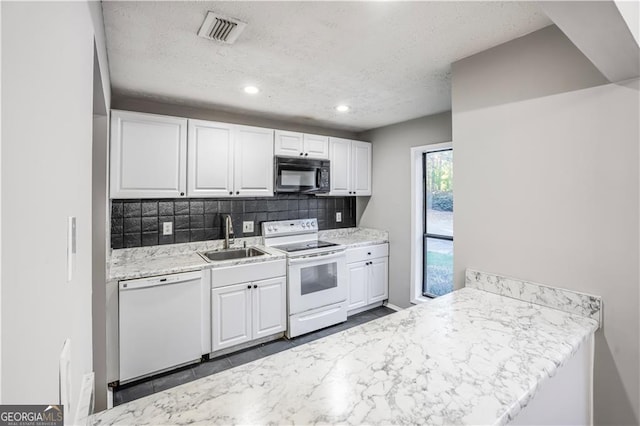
{"x": 431, "y": 221}
{"x": 437, "y": 277}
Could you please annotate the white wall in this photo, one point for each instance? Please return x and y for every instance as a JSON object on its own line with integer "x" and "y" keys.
{"x": 389, "y": 207}
{"x": 547, "y": 189}
{"x": 47, "y": 82}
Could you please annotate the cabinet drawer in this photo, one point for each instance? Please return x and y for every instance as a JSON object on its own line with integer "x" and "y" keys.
{"x": 360, "y": 254}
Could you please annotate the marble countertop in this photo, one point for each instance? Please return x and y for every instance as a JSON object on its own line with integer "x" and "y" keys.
{"x": 354, "y": 237}
{"x": 142, "y": 262}
{"x": 176, "y": 258}
{"x": 470, "y": 357}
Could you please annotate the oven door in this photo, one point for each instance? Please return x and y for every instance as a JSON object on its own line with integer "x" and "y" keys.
{"x": 317, "y": 281}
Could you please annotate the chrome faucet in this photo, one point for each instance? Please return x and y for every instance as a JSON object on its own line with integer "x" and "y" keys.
{"x": 228, "y": 229}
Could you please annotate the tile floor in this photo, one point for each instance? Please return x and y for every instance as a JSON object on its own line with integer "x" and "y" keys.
{"x": 145, "y": 387}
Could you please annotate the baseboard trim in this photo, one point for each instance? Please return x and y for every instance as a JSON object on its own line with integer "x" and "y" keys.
{"x": 394, "y": 307}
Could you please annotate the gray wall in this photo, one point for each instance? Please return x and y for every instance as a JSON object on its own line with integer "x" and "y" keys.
{"x": 143, "y": 105}
{"x": 546, "y": 189}
{"x": 546, "y": 64}
{"x": 389, "y": 207}
{"x": 47, "y": 91}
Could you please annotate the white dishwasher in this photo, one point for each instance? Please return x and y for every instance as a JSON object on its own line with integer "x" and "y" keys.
{"x": 161, "y": 320}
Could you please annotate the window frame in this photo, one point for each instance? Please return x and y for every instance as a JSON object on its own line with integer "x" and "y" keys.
{"x": 425, "y": 234}
{"x": 417, "y": 218}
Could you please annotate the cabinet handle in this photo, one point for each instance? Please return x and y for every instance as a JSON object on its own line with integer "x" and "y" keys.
{"x": 237, "y": 192}
{"x": 255, "y": 286}
{"x": 230, "y": 192}
{"x": 306, "y": 154}
{"x": 369, "y": 253}
{"x": 182, "y": 194}
{"x": 249, "y": 286}
{"x": 301, "y": 154}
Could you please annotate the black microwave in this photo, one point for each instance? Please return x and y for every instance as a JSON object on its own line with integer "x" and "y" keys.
{"x": 305, "y": 175}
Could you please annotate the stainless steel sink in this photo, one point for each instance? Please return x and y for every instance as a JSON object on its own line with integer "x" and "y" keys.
{"x": 235, "y": 253}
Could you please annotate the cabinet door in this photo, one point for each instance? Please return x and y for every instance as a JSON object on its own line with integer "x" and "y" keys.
{"x": 357, "y": 284}
{"x": 210, "y": 159}
{"x": 361, "y": 168}
{"x": 340, "y": 157}
{"x": 269, "y": 307}
{"x": 230, "y": 315}
{"x": 288, "y": 143}
{"x": 253, "y": 162}
{"x": 378, "y": 280}
{"x": 316, "y": 146}
{"x": 148, "y": 155}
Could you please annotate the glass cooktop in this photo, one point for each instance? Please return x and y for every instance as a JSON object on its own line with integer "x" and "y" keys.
{"x": 306, "y": 245}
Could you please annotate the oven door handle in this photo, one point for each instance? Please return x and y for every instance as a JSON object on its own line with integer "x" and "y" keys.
{"x": 320, "y": 256}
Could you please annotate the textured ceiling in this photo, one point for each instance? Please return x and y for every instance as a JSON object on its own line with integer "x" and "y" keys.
{"x": 390, "y": 61}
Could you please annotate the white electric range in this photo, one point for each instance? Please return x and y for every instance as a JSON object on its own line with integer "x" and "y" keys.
{"x": 316, "y": 275}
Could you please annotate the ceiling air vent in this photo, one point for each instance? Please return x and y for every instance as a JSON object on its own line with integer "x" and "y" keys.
{"x": 221, "y": 28}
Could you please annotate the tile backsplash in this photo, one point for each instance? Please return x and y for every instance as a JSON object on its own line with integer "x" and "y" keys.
{"x": 136, "y": 223}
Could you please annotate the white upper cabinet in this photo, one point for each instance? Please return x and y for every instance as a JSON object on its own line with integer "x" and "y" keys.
{"x": 148, "y": 155}
{"x": 210, "y": 153}
{"x": 350, "y": 167}
{"x": 229, "y": 160}
{"x": 316, "y": 146}
{"x": 288, "y": 143}
{"x": 340, "y": 164}
{"x": 294, "y": 144}
{"x": 361, "y": 168}
{"x": 253, "y": 162}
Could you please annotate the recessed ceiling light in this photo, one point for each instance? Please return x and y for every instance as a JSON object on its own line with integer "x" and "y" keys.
{"x": 342, "y": 108}
{"x": 252, "y": 90}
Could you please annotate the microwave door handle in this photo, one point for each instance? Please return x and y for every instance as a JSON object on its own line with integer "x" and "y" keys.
{"x": 318, "y": 176}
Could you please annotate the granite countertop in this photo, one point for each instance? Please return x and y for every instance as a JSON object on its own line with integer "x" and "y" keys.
{"x": 354, "y": 237}
{"x": 175, "y": 258}
{"x": 470, "y": 357}
{"x": 142, "y": 262}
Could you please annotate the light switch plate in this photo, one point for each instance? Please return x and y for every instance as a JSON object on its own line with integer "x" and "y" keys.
{"x": 247, "y": 226}
{"x": 338, "y": 216}
{"x": 167, "y": 228}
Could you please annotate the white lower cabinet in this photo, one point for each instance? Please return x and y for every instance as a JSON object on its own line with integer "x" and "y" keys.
{"x": 231, "y": 315}
{"x": 368, "y": 277}
{"x": 247, "y": 311}
{"x": 269, "y": 307}
{"x": 357, "y": 285}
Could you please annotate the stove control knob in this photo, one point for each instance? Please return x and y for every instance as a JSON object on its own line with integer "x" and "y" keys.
{"x": 304, "y": 225}
{"x": 309, "y": 224}
{"x": 269, "y": 228}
